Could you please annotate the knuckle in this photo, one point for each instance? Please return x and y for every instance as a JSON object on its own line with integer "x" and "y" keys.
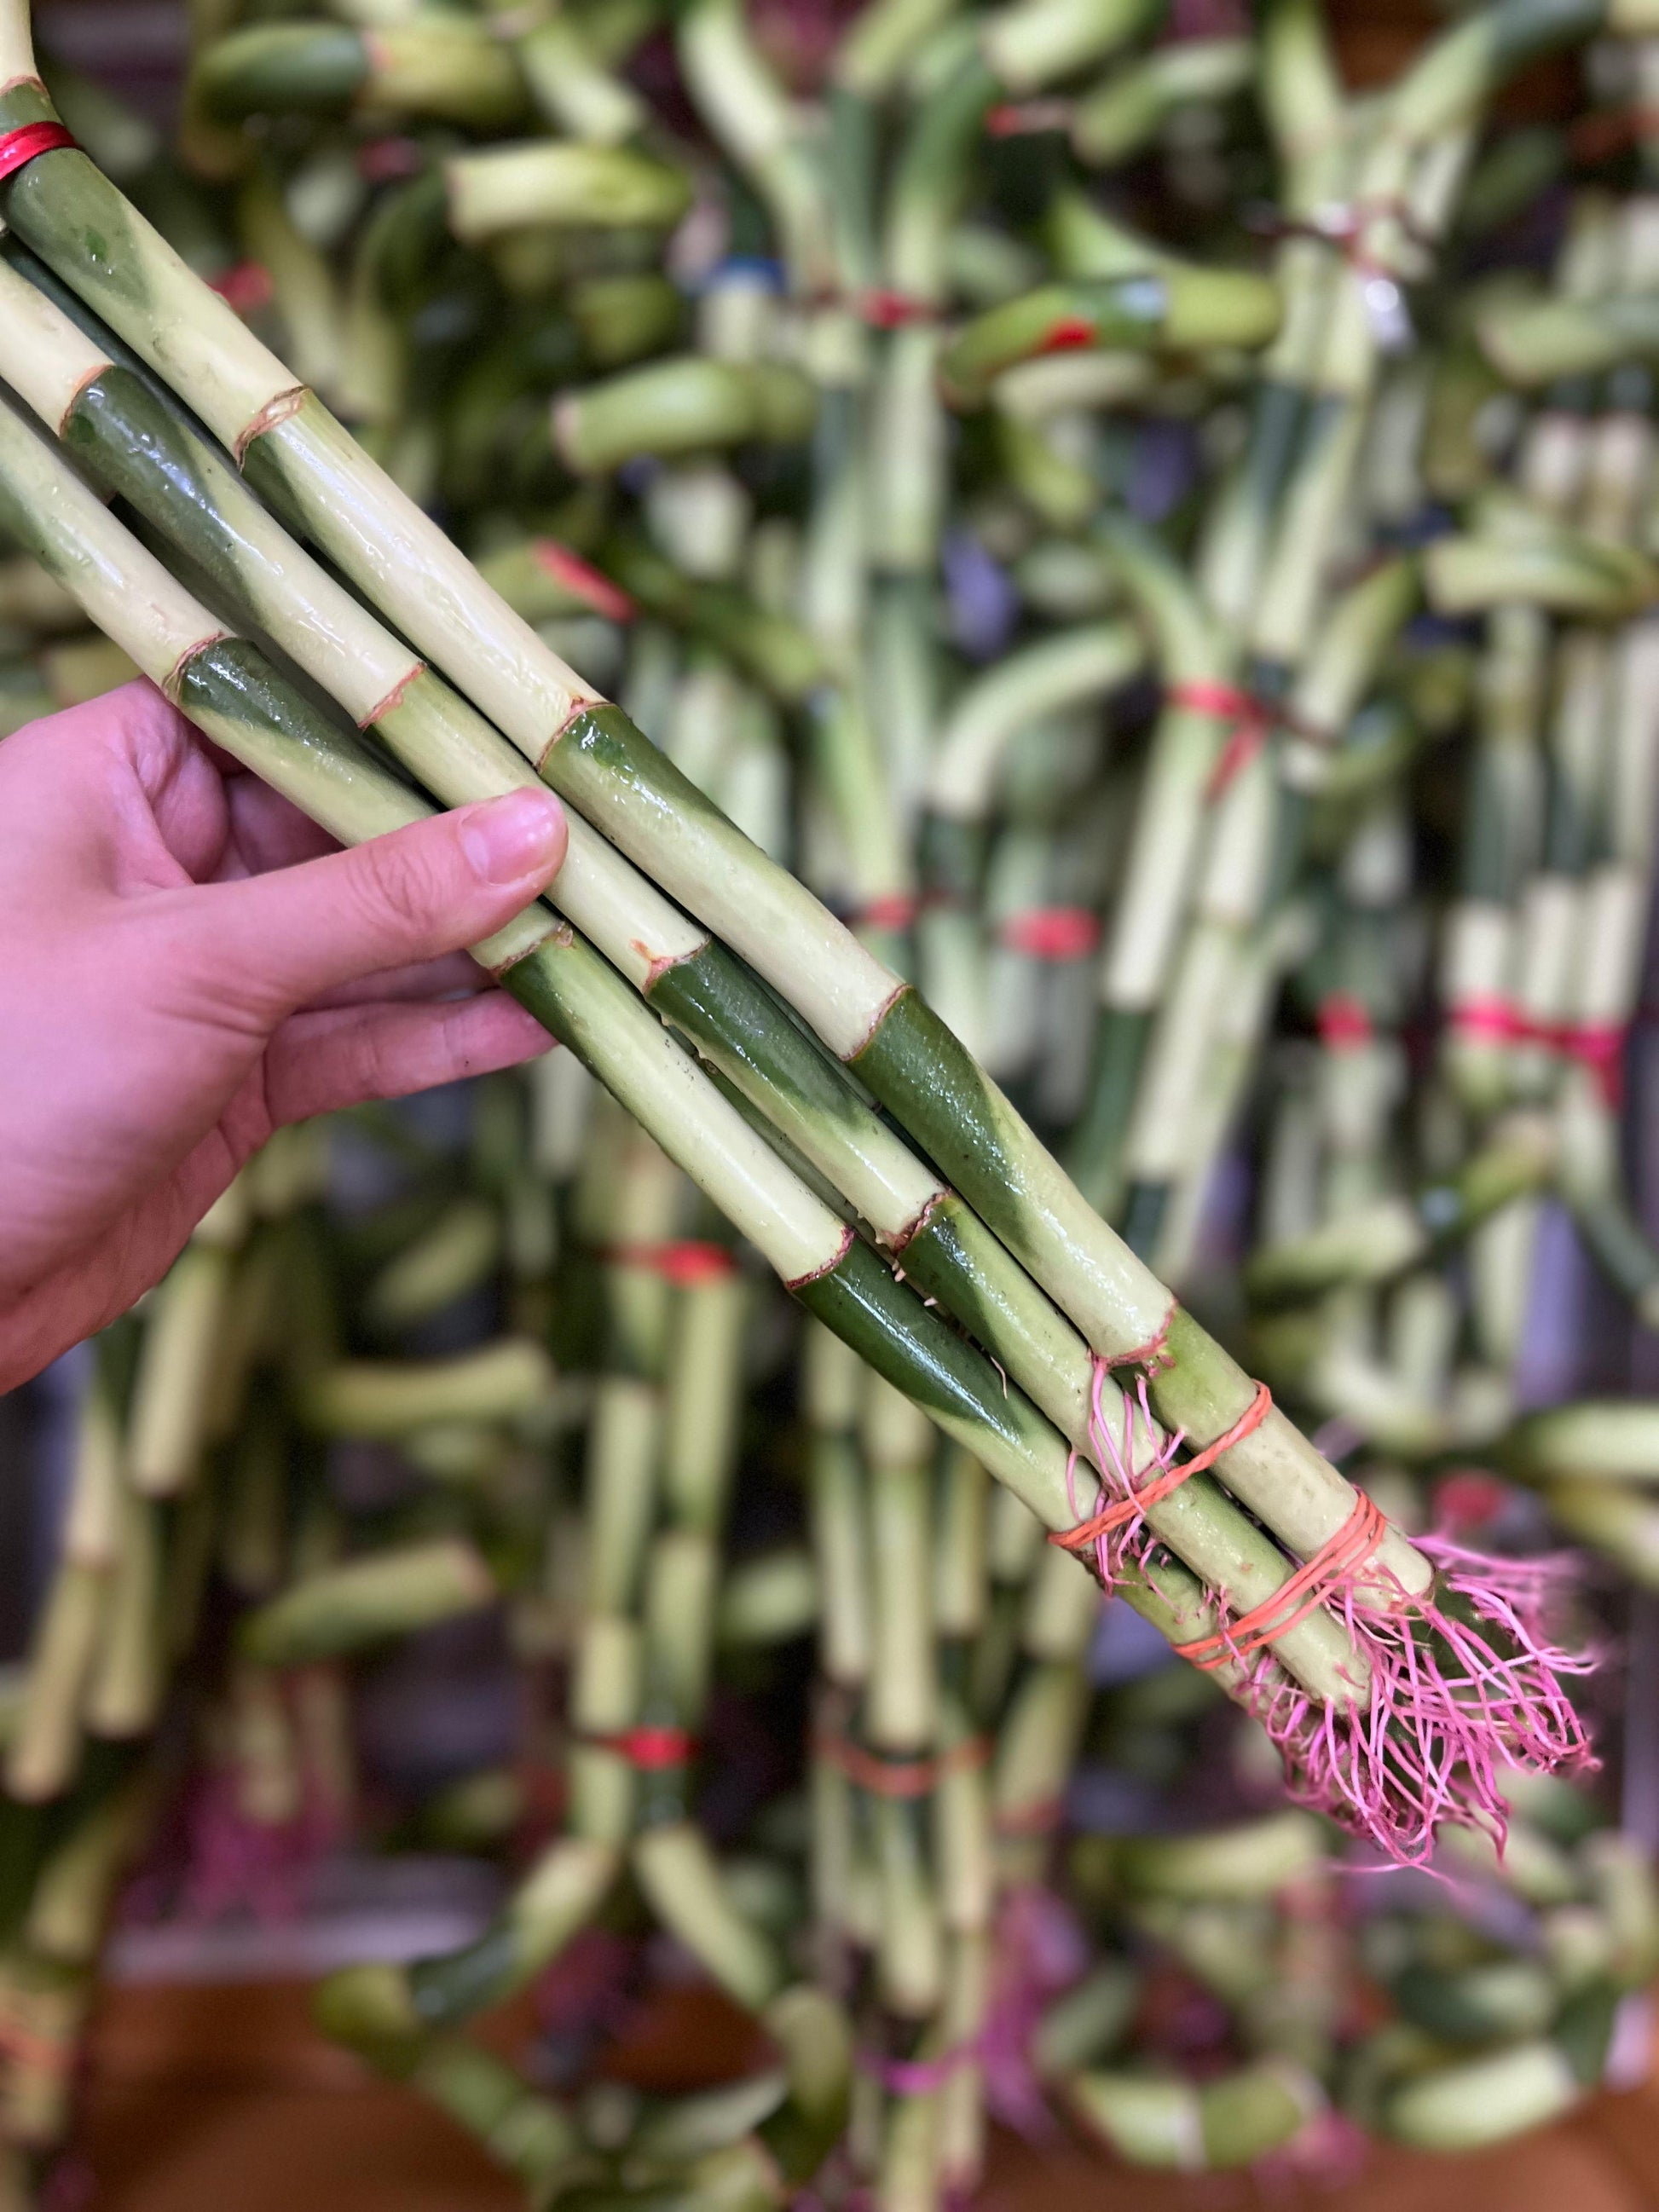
{"x": 404, "y": 884}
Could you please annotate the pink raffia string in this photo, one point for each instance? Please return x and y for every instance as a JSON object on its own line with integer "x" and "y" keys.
{"x": 917, "y": 2077}
{"x": 1040, "y": 1950}
{"x": 263, "y": 1868}
{"x": 1465, "y": 1682}
{"x": 1117, "y": 1530}
{"x": 1465, "y": 1677}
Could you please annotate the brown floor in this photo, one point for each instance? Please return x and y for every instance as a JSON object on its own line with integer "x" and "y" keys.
{"x": 204, "y": 2097}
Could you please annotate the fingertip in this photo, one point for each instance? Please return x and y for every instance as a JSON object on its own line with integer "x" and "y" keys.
{"x": 517, "y": 842}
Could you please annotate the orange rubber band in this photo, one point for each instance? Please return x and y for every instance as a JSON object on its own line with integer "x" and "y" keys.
{"x": 1341, "y": 1556}
{"x": 1124, "y": 1510}
{"x": 900, "y": 1777}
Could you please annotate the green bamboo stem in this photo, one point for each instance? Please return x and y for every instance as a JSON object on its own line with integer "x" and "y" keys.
{"x": 44, "y": 1748}
{"x": 685, "y": 405}
{"x": 1032, "y": 42}
{"x": 572, "y": 87}
{"x": 1174, "y": 308}
{"x": 1228, "y": 2123}
{"x": 362, "y": 1602}
{"x": 1461, "y": 2107}
{"x": 759, "y": 126}
{"x": 440, "y": 66}
{"x": 1392, "y": 1234}
{"x": 500, "y": 189}
{"x": 1061, "y": 670}
{"x": 1114, "y": 119}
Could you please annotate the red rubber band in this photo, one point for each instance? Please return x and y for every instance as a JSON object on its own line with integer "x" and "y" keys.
{"x": 1345, "y": 1021}
{"x": 1122, "y": 1510}
{"x": 684, "y": 1265}
{"x": 900, "y": 1777}
{"x": 1038, "y": 1820}
{"x": 1336, "y": 1560}
{"x": 1052, "y": 932}
{"x": 29, "y": 140}
{"x": 898, "y": 910}
{"x": 650, "y": 1749}
{"x": 387, "y": 161}
{"x": 885, "y": 310}
{"x": 1010, "y": 118}
{"x": 246, "y": 288}
{"x": 47, "y": 2054}
{"x": 1598, "y": 1046}
{"x": 1071, "y": 333}
{"x": 581, "y": 580}
{"x": 1251, "y": 718}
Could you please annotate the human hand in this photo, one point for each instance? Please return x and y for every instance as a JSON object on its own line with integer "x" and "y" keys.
{"x": 186, "y": 964}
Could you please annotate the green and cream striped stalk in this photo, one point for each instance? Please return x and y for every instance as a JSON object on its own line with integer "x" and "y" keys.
{"x": 437, "y": 64}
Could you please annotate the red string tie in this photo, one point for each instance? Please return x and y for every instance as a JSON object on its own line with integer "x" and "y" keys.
{"x": 1598, "y": 1046}
{"x": 29, "y": 141}
{"x": 388, "y": 161}
{"x": 581, "y": 580}
{"x": 1345, "y": 1021}
{"x": 894, "y": 910}
{"x": 1337, "y": 1560}
{"x": 652, "y": 1749}
{"x": 1250, "y": 717}
{"x": 1052, "y": 932}
{"x": 246, "y": 288}
{"x": 1068, "y": 335}
{"x": 1041, "y": 1819}
{"x": 900, "y": 1777}
{"x": 684, "y": 1264}
{"x": 885, "y": 310}
{"x": 1122, "y": 1510}
{"x": 1011, "y": 118}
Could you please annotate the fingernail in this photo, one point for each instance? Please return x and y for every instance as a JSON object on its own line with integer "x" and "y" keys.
{"x": 506, "y": 839}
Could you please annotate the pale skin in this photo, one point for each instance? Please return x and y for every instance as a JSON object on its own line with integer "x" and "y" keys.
{"x": 188, "y": 964}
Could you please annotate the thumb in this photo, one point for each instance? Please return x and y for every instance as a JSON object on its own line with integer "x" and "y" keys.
{"x": 291, "y": 935}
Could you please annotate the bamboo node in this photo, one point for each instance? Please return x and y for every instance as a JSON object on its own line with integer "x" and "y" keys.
{"x": 271, "y": 416}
